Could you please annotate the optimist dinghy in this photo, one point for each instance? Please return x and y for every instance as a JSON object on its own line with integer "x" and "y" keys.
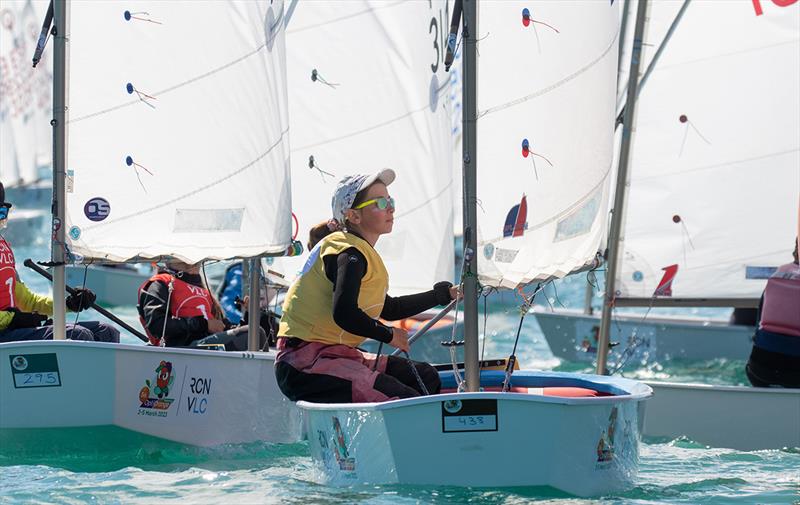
{"x": 578, "y": 433}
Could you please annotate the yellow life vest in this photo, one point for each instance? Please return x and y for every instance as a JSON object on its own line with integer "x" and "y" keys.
{"x": 308, "y": 307}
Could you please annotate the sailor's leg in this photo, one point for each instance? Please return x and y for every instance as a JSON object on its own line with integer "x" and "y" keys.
{"x": 234, "y": 339}
{"x": 22, "y": 334}
{"x": 400, "y": 368}
{"x": 98, "y": 332}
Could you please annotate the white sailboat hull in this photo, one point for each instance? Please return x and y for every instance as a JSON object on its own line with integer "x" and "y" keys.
{"x": 572, "y": 336}
{"x": 490, "y": 439}
{"x": 113, "y": 286}
{"x": 737, "y": 417}
{"x": 214, "y": 397}
{"x": 27, "y": 227}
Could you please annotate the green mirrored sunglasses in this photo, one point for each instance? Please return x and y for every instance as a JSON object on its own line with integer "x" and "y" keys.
{"x": 381, "y": 203}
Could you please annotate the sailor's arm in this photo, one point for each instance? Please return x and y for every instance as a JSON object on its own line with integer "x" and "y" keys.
{"x": 28, "y": 301}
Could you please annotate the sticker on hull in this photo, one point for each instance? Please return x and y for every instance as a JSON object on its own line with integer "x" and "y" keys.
{"x": 35, "y": 370}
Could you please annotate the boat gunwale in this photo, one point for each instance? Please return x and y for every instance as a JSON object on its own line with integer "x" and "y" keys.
{"x": 269, "y": 356}
{"x": 722, "y": 388}
{"x": 641, "y": 392}
{"x": 632, "y": 317}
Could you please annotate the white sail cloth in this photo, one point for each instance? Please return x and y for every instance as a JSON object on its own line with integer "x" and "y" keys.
{"x": 368, "y": 90}
{"x": 177, "y": 130}
{"x": 546, "y": 93}
{"x": 25, "y": 93}
{"x": 715, "y": 169}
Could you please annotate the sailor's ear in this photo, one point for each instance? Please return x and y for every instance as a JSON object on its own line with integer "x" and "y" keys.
{"x": 352, "y": 216}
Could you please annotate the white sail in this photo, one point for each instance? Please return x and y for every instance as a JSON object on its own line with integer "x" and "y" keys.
{"x": 368, "y": 90}
{"x": 25, "y": 93}
{"x": 163, "y": 157}
{"x": 715, "y": 169}
{"x": 546, "y": 136}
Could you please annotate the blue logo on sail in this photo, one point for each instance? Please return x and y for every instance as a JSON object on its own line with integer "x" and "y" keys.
{"x": 97, "y": 209}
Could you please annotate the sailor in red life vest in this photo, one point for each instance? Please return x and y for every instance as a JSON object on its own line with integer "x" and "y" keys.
{"x": 775, "y": 358}
{"x": 24, "y": 314}
{"x": 176, "y": 309}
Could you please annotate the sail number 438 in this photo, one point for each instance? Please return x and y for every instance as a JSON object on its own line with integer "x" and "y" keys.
{"x": 470, "y": 423}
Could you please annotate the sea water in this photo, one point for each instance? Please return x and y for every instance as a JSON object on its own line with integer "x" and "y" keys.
{"x": 121, "y": 467}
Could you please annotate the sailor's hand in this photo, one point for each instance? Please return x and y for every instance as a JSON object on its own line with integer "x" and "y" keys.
{"x": 80, "y": 299}
{"x": 400, "y": 339}
{"x": 215, "y": 326}
{"x": 445, "y": 292}
{"x": 455, "y": 292}
{"x": 26, "y": 320}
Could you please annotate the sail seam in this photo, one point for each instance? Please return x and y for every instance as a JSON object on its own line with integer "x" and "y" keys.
{"x": 370, "y": 128}
{"x": 716, "y": 165}
{"x": 552, "y": 87}
{"x": 171, "y": 88}
{"x": 426, "y": 202}
{"x": 726, "y": 55}
{"x": 336, "y": 20}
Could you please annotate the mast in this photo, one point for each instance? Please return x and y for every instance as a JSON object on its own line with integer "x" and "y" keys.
{"x": 470, "y": 162}
{"x": 620, "y": 194}
{"x": 61, "y": 26}
{"x": 254, "y": 302}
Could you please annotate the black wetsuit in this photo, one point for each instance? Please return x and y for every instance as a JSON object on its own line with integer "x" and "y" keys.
{"x": 345, "y": 271}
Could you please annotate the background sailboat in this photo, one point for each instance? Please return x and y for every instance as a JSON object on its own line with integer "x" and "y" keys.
{"x": 178, "y": 146}
{"x": 25, "y": 137}
{"x": 713, "y": 198}
{"x": 709, "y": 189}
{"x": 701, "y": 126}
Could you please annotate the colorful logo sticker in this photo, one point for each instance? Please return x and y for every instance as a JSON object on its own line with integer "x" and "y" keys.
{"x": 665, "y": 286}
{"x": 97, "y": 209}
{"x": 74, "y": 233}
{"x": 605, "y": 446}
{"x": 590, "y": 345}
{"x": 452, "y": 406}
{"x": 517, "y": 219}
{"x": 346, "y": 463}
{"x": 488, "y": 251}
{"x": 19, "y": 363}
{"x": 154, "y": 397}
